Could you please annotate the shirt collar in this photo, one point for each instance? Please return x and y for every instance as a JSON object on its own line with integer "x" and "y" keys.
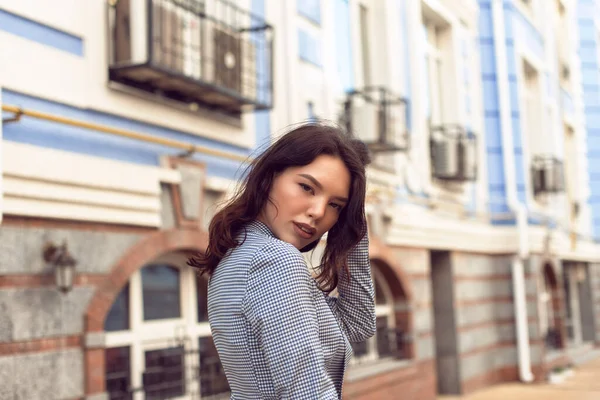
{"x": 259, "y": 227}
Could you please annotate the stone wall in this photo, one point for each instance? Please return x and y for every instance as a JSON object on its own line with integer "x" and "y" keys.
{"x": 485, "y": 318}
{"x": 41, "y": 355}
{"x": 595, "y": 284}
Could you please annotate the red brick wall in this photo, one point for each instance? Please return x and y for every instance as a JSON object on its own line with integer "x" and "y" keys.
{"x": 415, "y": 381}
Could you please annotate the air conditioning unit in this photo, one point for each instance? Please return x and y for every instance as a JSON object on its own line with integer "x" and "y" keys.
{"x": 548, "y": 176}
{"x": 167, "y": 35}
{"x": 249, "y": 73}
{"x": 227, "y": 60}
{"x": 191, "y": 43}
{"x": 445, "y": 155}
{"x": 467, "y": 150}
{"x": 396, "y": 127}
{"x": 366, "y": 118}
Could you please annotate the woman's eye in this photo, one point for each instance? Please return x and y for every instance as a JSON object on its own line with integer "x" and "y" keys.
{"x": 306, "y": 188}
{"x": 336, "y": 206}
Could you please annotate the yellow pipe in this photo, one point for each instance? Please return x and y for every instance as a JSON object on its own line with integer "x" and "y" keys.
{"x": 124, "y": 133}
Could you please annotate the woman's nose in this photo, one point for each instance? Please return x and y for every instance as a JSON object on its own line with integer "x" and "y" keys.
{"x": 317, "y": 209}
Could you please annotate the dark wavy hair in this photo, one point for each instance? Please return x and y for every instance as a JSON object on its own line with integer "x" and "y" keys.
{"x": 298, "y": 147}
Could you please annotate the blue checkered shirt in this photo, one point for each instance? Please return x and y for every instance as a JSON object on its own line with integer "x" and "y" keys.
{"x": 277, "y": 334}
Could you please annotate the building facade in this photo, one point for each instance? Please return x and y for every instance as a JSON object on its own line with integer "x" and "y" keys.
{"x": 127, "y": 122}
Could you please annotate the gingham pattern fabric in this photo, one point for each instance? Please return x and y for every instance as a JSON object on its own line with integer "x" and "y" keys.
{"x": 278, "y": 336}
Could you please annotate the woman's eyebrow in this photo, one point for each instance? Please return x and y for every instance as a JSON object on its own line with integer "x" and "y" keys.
{"x": 318, "y": 184}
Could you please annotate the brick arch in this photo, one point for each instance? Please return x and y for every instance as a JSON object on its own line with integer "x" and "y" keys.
{"x": 146, "y": 250}
{"x": 399, "y": 283}
{"x": 395, "y": 275}
{"x": 143, "y": 252}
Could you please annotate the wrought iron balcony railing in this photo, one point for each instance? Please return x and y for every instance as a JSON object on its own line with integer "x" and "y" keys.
{"x": 379, "y": 118}
{"x": 389, "y": 343}
{"x": 453, "y": 153}
{"x": 548, "y": 175}
{"x": 210, "y": 53}
{"x": 173, "y": 372}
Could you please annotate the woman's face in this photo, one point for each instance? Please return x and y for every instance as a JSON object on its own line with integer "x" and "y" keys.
{"x": 306, "y": 201}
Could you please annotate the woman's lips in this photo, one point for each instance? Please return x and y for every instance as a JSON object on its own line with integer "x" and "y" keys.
{"x": 304, "y": 231}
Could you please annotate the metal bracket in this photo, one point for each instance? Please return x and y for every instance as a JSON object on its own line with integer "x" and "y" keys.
{"x": 188, "y": 153}
{"x": 16, "y": 118}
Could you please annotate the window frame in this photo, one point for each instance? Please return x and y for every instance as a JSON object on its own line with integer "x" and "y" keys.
{"x": 386, "y": 310}
{"x": 149, "y": 335}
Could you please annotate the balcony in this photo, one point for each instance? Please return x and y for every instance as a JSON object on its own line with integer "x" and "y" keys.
{"x": 378, "y": 118}
{"x": 548, "y": 175}
{"x": 209, "y": 54}
{"x": 453, "y": 153}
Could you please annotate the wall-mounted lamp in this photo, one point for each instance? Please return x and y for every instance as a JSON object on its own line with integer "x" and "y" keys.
{"x": 63, "y": 264}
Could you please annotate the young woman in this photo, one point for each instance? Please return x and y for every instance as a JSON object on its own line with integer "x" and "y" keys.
{"x": 278, "y": 332}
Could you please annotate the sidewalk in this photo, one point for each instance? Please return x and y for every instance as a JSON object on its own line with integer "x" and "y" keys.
{"x": 584, "y": 385}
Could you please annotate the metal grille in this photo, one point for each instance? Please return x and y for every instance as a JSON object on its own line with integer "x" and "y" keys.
{"x": 548, "y": 175}
{"x": 379, "y": 118}
{"x": 390, "y": 343}
{"x": 175, "y": 371}
{"x": 212, "y": 53}
{"x": 453, "y": 153}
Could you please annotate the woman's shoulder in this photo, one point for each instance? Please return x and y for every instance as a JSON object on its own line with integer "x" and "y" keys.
{"x": 275, "y": 253}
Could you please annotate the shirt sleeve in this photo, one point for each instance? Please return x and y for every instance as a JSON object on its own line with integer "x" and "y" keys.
{"x": 354, "y": 306}
{"x": 280, "y": 306}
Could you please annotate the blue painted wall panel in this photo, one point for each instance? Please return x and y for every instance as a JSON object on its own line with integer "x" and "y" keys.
{"x": 513, "y": 92}
{"x": 590, "y": 76}
{"x": 592, "y": 119}
{"x": 84, "y": 141}
{"x": 495, "y": 175}
{"x": 589, "y": 57}
{"x": 40, "y": 33}
{"x": 493, "y": 138}
{"x": 493, "y": 134}
{"x": 490, "y": 95}
{"x": 486, "y": 28}
{"x": 591, "y": 98}
{"x": 487, "y": 57}
{"x": 588, "y": 52}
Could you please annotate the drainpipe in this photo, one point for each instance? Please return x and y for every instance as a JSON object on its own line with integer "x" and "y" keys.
{"x": 518, "y": 273}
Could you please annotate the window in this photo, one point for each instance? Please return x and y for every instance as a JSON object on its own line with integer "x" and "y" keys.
{"x": 579, "y": 316}
{"x": 531, "y": 107}
{"x": 158, "y": 338}
{"x": 387, "y": 342}
{"x": 201, "y": 295}
{"x": 118, "y": 316}
{"x": 365, "y": 49}
{"x": 212, "y": 377}
{"x": 118, "y": 365}
{"x": 160, "y": 285}
{"x": 550, "y": 326}
{"x": 571, "y": 177}
{"x": 164, "y": 376}
{"x": 433, "y": 67}
{"x": 563, "y": 45}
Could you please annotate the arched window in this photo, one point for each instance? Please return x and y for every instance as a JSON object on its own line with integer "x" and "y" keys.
{"x": 387, "y": 343}
{"x": 159, "y": 344}
{"x": 549, "y": 309}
